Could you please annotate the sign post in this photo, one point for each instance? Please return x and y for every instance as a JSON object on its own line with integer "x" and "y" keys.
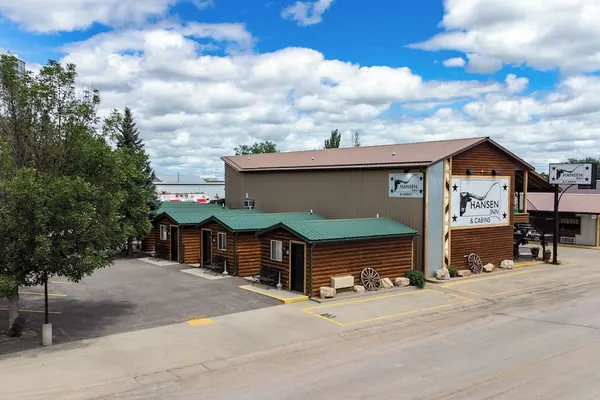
{"x": 568, "y": 174}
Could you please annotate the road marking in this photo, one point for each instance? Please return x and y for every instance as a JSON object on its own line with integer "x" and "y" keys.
{"x": 31, "y": 311}
{"x": 464, "y": 291}
{"x": 191, "y": 317}
{"x": 42, "y": 293}
{"x": 201, "y": 321}
{"x": 487, "y": 278}
{"x": 521, "y": 290}
{"x": 418, "y": 310}
{"x": 62, "y": 282}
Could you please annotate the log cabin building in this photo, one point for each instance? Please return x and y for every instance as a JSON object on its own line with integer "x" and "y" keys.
{"x": 308, "y": 254}
{"x": 462, "y": 196}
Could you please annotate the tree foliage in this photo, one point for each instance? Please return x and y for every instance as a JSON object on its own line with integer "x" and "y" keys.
{"x": 586, "y": 160}
{"x": 356, "y": 139}
{"x": 60, "y": 181}
{"x": 256, "y": 148}
{"x": 334, "y": 140}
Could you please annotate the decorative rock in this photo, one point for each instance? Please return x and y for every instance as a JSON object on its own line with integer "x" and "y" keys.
{"x": 386, "y": 283}
{"x": 327, "y": 292}
{"x": 488, "y": 267}
{"x": 442, "y": 274}
{"x": 359, "y": 289}
{"x": 463, "y": 272}
{"x": 402, "y": 282}
{"x": 507, "y": 264}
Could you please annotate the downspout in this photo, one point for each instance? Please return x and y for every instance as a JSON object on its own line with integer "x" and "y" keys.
{"x": 235, "y": 261}
{"x": 424, "y": 233}
{"x": 310, "y": 271}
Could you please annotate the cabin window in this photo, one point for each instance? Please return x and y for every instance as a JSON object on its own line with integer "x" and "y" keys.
{"x": 163, "y": 232}
{"x": 570, "y": 225}
{"x": 221, "y": 241}
{"x": 276, "y": 250}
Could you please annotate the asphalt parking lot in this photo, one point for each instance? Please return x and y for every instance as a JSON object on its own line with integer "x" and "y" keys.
{"x": 127, "y": 296}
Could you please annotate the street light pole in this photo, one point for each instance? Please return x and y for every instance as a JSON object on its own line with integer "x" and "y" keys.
{"x": 47, "y": 327}
{"x": 555, "y": 239}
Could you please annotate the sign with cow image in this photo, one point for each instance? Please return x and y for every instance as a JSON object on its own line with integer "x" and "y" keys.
{"x": 480, "y": 201}
{"x": 406, "y": 185}
{"x": 571, "y": 174}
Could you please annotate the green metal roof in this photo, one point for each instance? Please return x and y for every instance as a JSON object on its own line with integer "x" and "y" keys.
{"x": 196, "y": 215}
{"x": 334, "y": 230}
{"x": 255, "y": 222}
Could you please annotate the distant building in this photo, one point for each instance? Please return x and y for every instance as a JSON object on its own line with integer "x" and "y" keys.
{"x": 184, "y": 187}
{"x": 20, "y": 63}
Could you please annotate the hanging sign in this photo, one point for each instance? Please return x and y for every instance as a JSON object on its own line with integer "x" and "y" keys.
{"x": 406, "y": 185}
{"x": 571, "y": 174}
{"x": 480, "y": 201}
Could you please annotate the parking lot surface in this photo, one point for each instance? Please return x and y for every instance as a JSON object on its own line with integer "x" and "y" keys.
{"x": 127, "y": 296}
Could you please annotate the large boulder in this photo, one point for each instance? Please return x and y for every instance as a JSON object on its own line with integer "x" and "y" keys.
{"x": 359, "y": 289}
{"x": 442, "y": 274}
{"x": 488, "y": 267}
{"x": 507, "y": 264}
{"x": 386, "y": 283}
{"x": 463, "y": 272}
{"x": 327, "y": 292}
{"x": 401, "y": 282}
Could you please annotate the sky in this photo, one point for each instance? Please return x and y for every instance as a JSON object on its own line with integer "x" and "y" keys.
{"x": 204, "y": 76}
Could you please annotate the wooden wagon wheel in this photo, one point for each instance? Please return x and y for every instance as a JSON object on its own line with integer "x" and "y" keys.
{"x": 370, "y": 279}
{"x": 475, "y": 263}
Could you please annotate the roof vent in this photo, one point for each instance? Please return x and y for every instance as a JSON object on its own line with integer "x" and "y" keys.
{"x": 394, "y": 153}
{"x": 311, "y": 210}
{"x": 312, "y": 158}
{"x": 248, "y": 157}
{"x": 377, "y": 215}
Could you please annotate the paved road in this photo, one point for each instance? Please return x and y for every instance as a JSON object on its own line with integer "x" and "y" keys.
{"x": 544, "y": 345}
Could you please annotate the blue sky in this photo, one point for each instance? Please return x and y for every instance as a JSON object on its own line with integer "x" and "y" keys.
{"x": 291, "y": 71}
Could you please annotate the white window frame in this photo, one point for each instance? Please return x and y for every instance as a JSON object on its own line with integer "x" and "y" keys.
{"x": 222, "y": 242}
{"x": 163, "y": 232}
{"x": 278, "y": 256}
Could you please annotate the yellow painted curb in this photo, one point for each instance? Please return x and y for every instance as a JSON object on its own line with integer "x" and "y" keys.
{"x": 284, "y": 300}
{"x": 528, "y": 264}
{"x": 201, "y": 321}
{"x": 42, "y": 293}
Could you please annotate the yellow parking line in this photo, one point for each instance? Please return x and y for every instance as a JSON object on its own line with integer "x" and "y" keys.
{"x": 464, "y": 291}
{"x": 322, "y": 317}
{"x": 62, "y": 282}
{"x": 370, "y": 299}
{"x": 519, "y": 290}
{"x": 31, "y": 311}
{"x": 42, "y": 293}
{"x": 201, "y": 321}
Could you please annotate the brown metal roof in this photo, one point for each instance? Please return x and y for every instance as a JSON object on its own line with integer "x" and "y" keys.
{"x": 420, "y": 154}
{"x": 393, "y": 155}
{"x": 573, "y": 203}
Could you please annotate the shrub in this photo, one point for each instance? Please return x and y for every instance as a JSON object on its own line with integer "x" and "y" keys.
{"x": 453, "y": 271}
{"x": 17, "y": 327}
{"x": 416, "y": 278}
{"x": 535, "y": 252}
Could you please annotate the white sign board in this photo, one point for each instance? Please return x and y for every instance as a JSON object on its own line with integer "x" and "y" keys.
{"x": 571, "y": 174}
{"x": 480, "y": 201}
{"x": 406, "y": 185}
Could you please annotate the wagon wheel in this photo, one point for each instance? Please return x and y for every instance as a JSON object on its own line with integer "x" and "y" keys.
{"x": 370, "y": 279}
{"x": 475, "y": 263}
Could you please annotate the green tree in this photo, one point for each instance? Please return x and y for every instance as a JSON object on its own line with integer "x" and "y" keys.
{"x": 138, "y": 186}
{"x": 256, "y": 148}
{"x": 334, "y": 140}
{"x": 356, "y": 139}
{"x": 59, "y": 181}
{"x": 586, "y": 160}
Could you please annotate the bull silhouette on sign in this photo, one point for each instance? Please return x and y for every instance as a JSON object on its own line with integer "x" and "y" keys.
{"x": 397, "y": 182}
{"x": 466, "y": 197}
{"x": 559, "y": 172}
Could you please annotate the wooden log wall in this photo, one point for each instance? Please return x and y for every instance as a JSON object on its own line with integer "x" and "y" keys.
{"x": 191, "y": 245}
{"x": 227, "y": 254}
{"x": 284, "y": 265}
{"x": 163, "y": 247}
{"x": 150, "y": 242}
{"x": 248, "y": 254}
{"x": 391, "y": 258}
{"x": 493, "y": 244}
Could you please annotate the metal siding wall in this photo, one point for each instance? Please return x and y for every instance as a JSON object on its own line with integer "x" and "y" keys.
{"x": 332, "y": 194}
{"x": 177, "y": 188}
{"x": 234, "y": 188}
{"x": 212, "y": 190}
{"x": 435, "y": 206}
{"x": 588, "y": 231}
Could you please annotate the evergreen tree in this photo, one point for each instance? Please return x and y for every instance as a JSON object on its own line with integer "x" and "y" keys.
{"x": 129, "y": 136}
{"x": 334, "y": 140}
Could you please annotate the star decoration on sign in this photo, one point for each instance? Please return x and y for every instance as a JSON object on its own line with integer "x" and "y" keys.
{"x": 505, "y": 187}
{"x": 392, "y": 179}
{"x": 455, "y": 187}
{"x": 454, "y": 218}
{"x": 587, "y": 179}
{"x": 420, "y": 178}
{"x": 504, "y": 215}
{"x": 587, "y": 167}
{"x": 420, "y": 190}
{"x": 553, "y": 168}
{"x": 391, "y": 191}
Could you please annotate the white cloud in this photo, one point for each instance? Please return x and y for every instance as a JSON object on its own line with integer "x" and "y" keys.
{"x": 193, "y": 107}
{"x": 307, "y": 12}
{"x": 545, "y": 34}
{"x": 454, "y": 62}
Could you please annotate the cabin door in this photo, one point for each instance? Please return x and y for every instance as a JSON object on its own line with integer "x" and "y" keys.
{"x": 174, "y": 243}
{"x": 297, "y": 267}
{"x": 206, "y": 247}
